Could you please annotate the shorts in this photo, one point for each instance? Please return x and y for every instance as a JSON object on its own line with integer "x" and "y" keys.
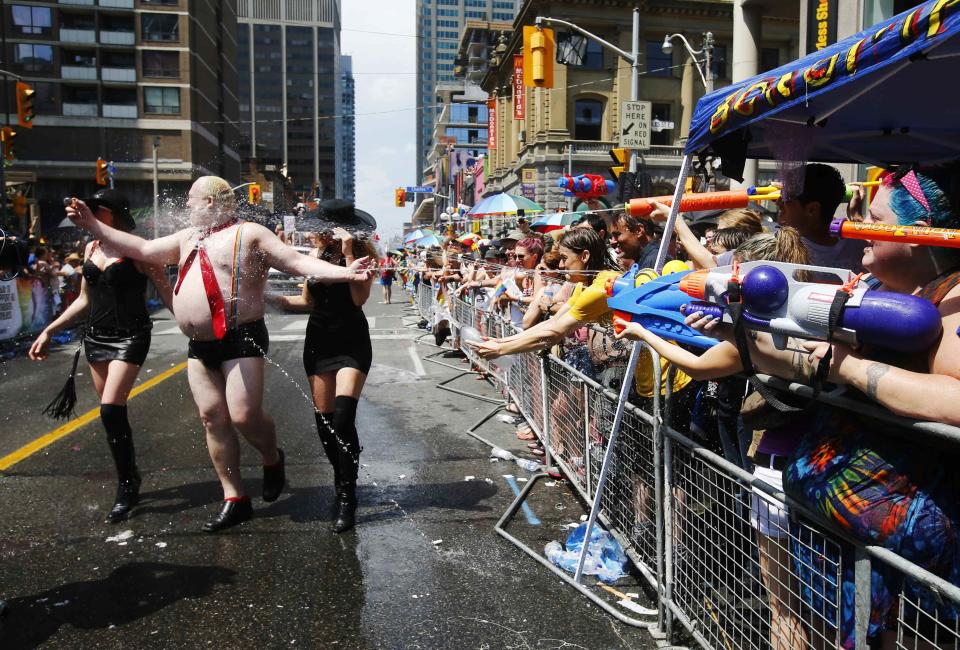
{"x": 386, "y": 281}
{"x": 131, "y": 346}
{"x": 769, "y": 515}
{"x": 244, "y": 341}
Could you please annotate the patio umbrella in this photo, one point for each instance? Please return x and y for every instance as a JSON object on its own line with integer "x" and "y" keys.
{"x": 554, "y": 221}
{"x": 428, "y": 241}
{"x": 500, "y": 205}
{"x": 469, "y": 239}
{"x": 419, "y": 233}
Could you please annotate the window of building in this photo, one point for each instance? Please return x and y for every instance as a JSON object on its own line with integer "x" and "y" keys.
{"x": 448, "y": 12}
{"x": 169, "y": 3}
{"x": 82, "y": 58}
{"x": 481, "y": 15}
{"x": 47, "y": 97}
{"x": 769, "y": 58}
{"x": 658, "y": 63}
{"x": 718, "y": 64}
{"x": 165, "y": 101}
{"x": 503, "y": 4}
{"x": 30, "y": 20}
{"x": 499, "y": 16}
{"x": 79, "y": 94}
{"x": 476, "y": 3}
{"x": 588, "y": 119}
{"x": 120, "y": 96}
{"x": 579, "y": 51}
{"x": 661, "y": 112}
{"x": 454, "y": 3}
{"x": 33, "y": 58}
{"x": 160, "y": 64}
{"x": 160, "y": 27}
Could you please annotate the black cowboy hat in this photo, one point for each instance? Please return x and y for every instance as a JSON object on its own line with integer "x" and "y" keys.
{"x": 117, "y": 203}
{"x": 334, "y": 213}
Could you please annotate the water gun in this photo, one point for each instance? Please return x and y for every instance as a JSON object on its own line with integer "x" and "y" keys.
{"x": 774, "y": 300}
{"x": 922, "y": 235}
{"x": 727, "y": 200}
{"x": 585, "y": 186}
{"x": 654, "y": 302}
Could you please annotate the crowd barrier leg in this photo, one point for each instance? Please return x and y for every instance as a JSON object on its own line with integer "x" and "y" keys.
{"x": 666, "y": 552}
{"x": 483, "y": 398}
{"x": 472, "y": 431}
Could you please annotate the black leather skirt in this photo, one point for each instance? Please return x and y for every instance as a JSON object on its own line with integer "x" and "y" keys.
{"x": 130, "y": 346}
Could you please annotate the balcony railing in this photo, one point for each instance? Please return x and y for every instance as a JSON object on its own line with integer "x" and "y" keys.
{"x": 79, "y": 110}
{"x": 69, "y": 35}
{"x": 108, "y": 37}
{"x": 117, "y": 4}
{"x": 85, "y": 73}
{"x": 128, "y": 111}
{"x": 118, "y": 74}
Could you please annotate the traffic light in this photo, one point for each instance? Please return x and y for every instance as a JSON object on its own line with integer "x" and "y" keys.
{"x": 8, "y": 136}
{"x": 539, "y": 46}
{"x": 103, "y": 175}
{"x": 621, "y": 158}
{"x": 253, "y": 194}
{"x": 25, "y": 95}
{"x": 400, "y": 197}
{"x": 19, "y": 205}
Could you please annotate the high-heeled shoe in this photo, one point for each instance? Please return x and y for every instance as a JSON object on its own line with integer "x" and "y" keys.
{"x": 128, "y": 495}
{"x": 346, "y": 507}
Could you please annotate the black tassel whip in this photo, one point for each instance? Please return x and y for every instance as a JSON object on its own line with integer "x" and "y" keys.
{"x": 61, "y": 408}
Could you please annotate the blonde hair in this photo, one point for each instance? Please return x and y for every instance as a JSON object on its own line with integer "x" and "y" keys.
{"x": 783, "y": 246}
{"x": 743, "y": 218}
{"x": 219, "y": 190}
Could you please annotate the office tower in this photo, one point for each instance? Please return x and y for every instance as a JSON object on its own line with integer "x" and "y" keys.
{"x": 348, "y": 130}
{"x": 439, "y": 26}
{"x": 111, "y": 77}
{"x": 289, "y": 90}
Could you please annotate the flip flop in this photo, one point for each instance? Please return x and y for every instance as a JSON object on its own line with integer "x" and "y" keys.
{"x": 511, "y": 407}
{"x": 526, "y": 436}
{"x": 539, "y": 451}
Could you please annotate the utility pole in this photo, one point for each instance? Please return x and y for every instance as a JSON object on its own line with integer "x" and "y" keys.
{"x": 156, "y": 187}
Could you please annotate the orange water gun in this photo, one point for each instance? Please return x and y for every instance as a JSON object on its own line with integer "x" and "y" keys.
{"x": 922, "y": 235}
{"x": 727, "y": 200}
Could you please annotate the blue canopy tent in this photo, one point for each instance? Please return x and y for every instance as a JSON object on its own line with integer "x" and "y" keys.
{"x": 883, "y": 96}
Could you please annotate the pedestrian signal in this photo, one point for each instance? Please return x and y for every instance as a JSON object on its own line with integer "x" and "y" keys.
{"x": 539, "y": 46}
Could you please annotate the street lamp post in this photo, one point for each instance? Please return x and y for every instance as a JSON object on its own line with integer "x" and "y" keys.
{"x": 633, "y": 57}
{"x": 706, "y": 72}
{"x": 156, "y": 187}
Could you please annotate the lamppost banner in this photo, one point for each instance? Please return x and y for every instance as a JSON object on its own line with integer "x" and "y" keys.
{"x": 518, "y": 96}
{"x": 822, "y": 24}
{"x": 491, "y": 124}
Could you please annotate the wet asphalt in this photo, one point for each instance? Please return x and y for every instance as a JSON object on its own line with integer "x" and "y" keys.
{"x": 423, "y": 569}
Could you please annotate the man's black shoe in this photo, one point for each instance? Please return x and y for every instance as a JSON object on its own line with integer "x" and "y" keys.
{"x": 231, "y": 514}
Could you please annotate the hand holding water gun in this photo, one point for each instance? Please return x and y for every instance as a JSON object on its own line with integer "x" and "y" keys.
{"x": 585, "y": 186}
{"x": 770, "y": 297}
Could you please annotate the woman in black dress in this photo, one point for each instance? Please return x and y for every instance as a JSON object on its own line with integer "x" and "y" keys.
{"x": 117, "y": 336}
{"x": 337, "y": 352}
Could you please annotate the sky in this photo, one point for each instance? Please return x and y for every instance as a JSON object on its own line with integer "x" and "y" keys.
{"x": 384, "y": 67}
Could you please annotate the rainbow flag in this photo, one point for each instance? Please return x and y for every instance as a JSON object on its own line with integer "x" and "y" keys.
{"x": 500, "y": 289}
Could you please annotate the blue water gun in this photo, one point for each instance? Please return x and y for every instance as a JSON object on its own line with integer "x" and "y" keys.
{"x": 654, "y": 302}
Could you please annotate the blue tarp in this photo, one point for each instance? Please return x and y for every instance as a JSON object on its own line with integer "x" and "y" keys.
{"x": 887, "y": 95}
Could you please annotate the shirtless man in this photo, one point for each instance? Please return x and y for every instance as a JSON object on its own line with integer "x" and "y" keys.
{"x": 219, "y": 304}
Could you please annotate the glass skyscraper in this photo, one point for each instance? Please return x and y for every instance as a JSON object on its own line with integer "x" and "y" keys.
{"x": 439, "y": 25}
{"x": 290, "y": 90}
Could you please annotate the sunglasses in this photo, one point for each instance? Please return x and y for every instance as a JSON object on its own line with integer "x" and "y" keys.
{"x": 519, "y": 257}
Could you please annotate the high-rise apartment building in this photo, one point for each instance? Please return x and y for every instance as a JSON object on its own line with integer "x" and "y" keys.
{"x": 348, "y": 131}
{"x": 111, "y": 77}
{"x": 439, "y": 25}
{"x": 289, "y": 89}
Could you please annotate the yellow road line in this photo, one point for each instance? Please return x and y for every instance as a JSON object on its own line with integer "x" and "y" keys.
{"x": 48, "y": 439}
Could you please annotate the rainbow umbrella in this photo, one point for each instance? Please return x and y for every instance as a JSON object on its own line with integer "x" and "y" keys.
{"x": 501, "y": 205}
{"x": 419, "y": 233}
{"x": 428, "y": 241}
{"x": 469, "y": 239}
{"x": 554, "y": 221}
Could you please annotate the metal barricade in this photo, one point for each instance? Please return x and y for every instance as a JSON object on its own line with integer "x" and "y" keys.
{"x": 725, "y": 561}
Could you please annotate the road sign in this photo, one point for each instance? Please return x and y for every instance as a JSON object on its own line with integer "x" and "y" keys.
{"x": 661, "y": 125}
{"x": 635, "y": 125}
{"x": 420, "y": 189}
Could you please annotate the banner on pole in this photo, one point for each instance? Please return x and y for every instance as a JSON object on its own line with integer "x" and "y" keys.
{"x": 518, "y": 88}
{"x": 492, "y": 124}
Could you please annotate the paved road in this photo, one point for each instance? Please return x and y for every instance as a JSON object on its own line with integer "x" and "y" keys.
{"x": 423, "y": 569}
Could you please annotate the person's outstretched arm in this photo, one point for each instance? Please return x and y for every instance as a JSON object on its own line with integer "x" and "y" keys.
{"x": 165, "y": 250}
{"x": 284, "y": 258}
{"x": 699, "y": 255}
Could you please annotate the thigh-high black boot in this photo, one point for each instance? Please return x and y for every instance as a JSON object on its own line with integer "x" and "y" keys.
{"x": 348, "y": 461}
{"x": 120, "y": 439}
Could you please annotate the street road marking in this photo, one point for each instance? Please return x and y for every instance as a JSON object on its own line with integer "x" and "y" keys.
{"x": 527, "y": 512}
{"x": 300, "y": 325}
{"x": 417, "y": 364}
{"x": 371, "y": 321}
{"x": 170, "y": 330}
{"x": 48, "y": 439}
